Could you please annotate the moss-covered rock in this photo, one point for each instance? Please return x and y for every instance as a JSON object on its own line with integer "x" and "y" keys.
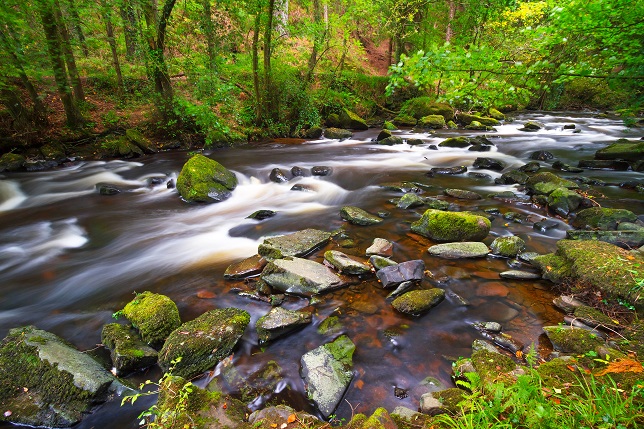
{"x": 546, "y": 182}
{"x": 46, "y": 382}
{"x": 432, "y": 122}
{"x": 568, "y": 339}
{"x": 478, "y": 126}
{"x": 417, "y": 302}
{"x": 631, "y": 151}
{"x": 594, "y": 318}
{"x": 494, "y": 113}
{"x": 405, "y": 121}
{"x": 451, "y": 399}
{"x": 279, "y": 322}
{"x": 127, "y": 349}
{"x": 275, "y": 416}
{"x": 141, "y": 141}
{"x": 345, "y": 264}
{"x": 300, "y": 276}
{"x": 11, "y": 162}
{"x": 493, "y": 367}
{"x": 391, "y": 141}
{"x": 200, "y": 344}
{"x": 53, "y": 151}
{"x": 357, "y": 216}
{"x": 380, "y": 419}
{"x": 627, "y": 239}
{"x": 351, "y": 120}
{"x": 154, "y": 315}
{"x": 509, "y": 247}
{"x": 531, "y": 126}
{"x": 602, "y": 218}
{"x": 383, "y": 135}
{"x": 462, "y": 194}
{"x": 205, "y": 180}
{"x": 466, "y": 119}
{"x": 563, "y": 201}
{"x": 440, "y": 225}
{"x": 423, "y": 106}
{"x": 389, "y": 126}
{"x": 299, "y": 243}
{"x": 468, "y": 249}
{"x": 458, "y": 142}
{"x": 409, "y": 201}
{"x": 337, "y": 133}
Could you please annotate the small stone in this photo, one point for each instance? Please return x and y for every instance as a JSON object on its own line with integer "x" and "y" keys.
{"x": 278, "y": 176}
{"x": 279, "y": 322}
{"x": 321, "y": 171}
{"x": 261, "y": 214}
{"x": 545, "y": 225}
{"x": 519, "y": 275}
{"x": 380, "y": 247}
{"x": 345, "y": 264}
{"x": 380, "y": 262}
{"x": 488, "y": 164}
{"x": 409, "y": 201}
{"x": 297, "y": 171}
{"x": 417, "y": 302}
{"x": 468, "y": 249}
{"x": 357, "y": 216}
{"x": 462, "y": 194}
{"x": 405, "y": 271}
{"x": 567, "y": 303}
{"x": 530, "y": 167}
{"x": 541, "y": 155}
{"x": 447, "y": 171}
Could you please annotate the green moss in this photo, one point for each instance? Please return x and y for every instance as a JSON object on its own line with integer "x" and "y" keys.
{"x": 380, "y": 419}
{"x": 508, "y": 246}
{"x": 544, "y": 183}
{"x": 468, "y": 119}
{"x": 440, "y": 225}
{"x": 349, "y": 119}
{"x": 494, "y": 113}
{"x": 493, "y": 367}
{"x": 417, "y": 302}
{"x": 431, "y": 121}
{"x": 557, "y": 372}
{"x": 423, "y": 106}
{"x": 128, "y": 351}
{"x": 405, "y": 121}
{"x": 330, "y": 326}
{"x": 594, "y": 316}
{"x": 602, "y": 218}
{"x": 357, "y": 421}
{"x": 451, "y": 398}
{"x": 456, "y": 142}
{"x": 629, "y": 151}
{"x": 11, "y": 162}
{"x": 154, "y": 315}
{"x": 342, "y": 349}
{"x": 389, "y": 126}
{"x": 572, "y": 340}
{"x": 553, "y": 267}
{"x": 205, "y": 180}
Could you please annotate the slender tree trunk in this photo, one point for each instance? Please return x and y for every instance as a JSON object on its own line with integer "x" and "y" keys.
{"x": 19, "y": 113}
{"x": 209, "y": 31}
{"x": 111, "y": 40}
{"x": 259, "y": 103}
{"x": 73, "y": 12}
{"x": 130, "y": 25}
{"x": 269, "y": 100}
{"x": 74, "y": 118}
{"x": 281, "y": 17}
{"x": 68, "y": 52}
{"x": 318, "y": 38}
{"x": 449, "y": 33}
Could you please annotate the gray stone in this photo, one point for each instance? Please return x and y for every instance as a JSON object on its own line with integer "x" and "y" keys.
{"x": 345, "y": 264}
{"x": 247, "y": 268}
{"x": 483, "y": 345}
{"x": 406, "y": 413}
{"x": 357, "y": 216}
{"x": 128, "y": 351}
{"x": 405, "y": 271}
{"x": 462, "y": 194}
{"x": 541, "y": 155}
{"x": 380, "y": 247}
{"x": 567, "y": 303}
{"x": 299, "y": 243}
{"x": 391, "y": 141}
{"x": 624, "y": 239}
{"x": 467, "y": 249}
{"x": 409, "y": 201}
{"x": 430, "y": 405}
{"x": 279, "y": 322}
{"x": 321, "y": 170}
{"x": 545, "y": 225}
{"x": 519, "y": 275}
{"x": 402, "y": 288}
{"x": 447, "y": 171}
{"x": 337, "y": 133}
{"x": 300, "y": 276}
{"x": 380, "y": 262}
{"x": 417, "y": 302}
{"x": 277, "y": 176}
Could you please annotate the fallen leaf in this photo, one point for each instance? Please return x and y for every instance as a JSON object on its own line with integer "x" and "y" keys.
{"x": 556, "y": 400}
{"x": 359, "y": 384}
{"x": 273, "y": 425}
{"x": 225, "y": 406}
{"x": 291, "y": 418}
{"x": 621, "y": 366}
{"x": 205, "y": 294}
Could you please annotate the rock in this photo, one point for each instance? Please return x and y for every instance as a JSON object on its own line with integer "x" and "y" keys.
{"x": 567, "y": 303}
{"x": 457, "y": 142}
{"x": 274, "y": 416}
{"x": 601, "y": 164}
{"x": 417, "y": 302}
{"x": 46, "y": 382}
{"x": 337, "y": 133}
{"x": 469, "y": 249}
{"x": 327, "y": 372}
{"x": 410, "y": 201}
{"x": 261, "y": 214}
{"x": 541, "y": 155}
{"x": 107, "y": 189}
{"x": 357, "y": 216}
{"x": 512, "y": 177}
{"x": 205, "y": 180}
{"x": 466, "y": 119}
{"x": 279, "y": 322}
{"x": 154, "y": 315}
{"x": 462, "y": 194}
{"x": 314, "y": 133}
{"x": 546, "y": 182}
{"x": 423, "y": 106}
{"x": 569, "y": 127}
{"x": 345, "y": 264}
{"x": 302, "y": 188}
{"x": 380, "y": 247}
{"x": 380, "y": 262}
{"x": 404, "y": 187}
{"x": 594, "y": 318}
{"x": 567, "y": 339}
{"x": 479, "y": 148}
{"x": 519, "y": 275}
{"x": 405, "y": 121}
{"x": 510, "y": 197}
{"x": 489, "y": 164}
{"x": 405, "y": 271}
{"x": 389, "y": 126}
{"x": 478, "y": 175}
{"x": 509, "y": 247}
{"x": 298, "y": 171}
{"x": 53, "y": 152}
{"x": 351, "y": 120}
{"x": 431, "y": 121}
{"x": 494, "y": 113}
{"x": 530, "y": 167}
{"x": 478, "y": 126}
{"x": 531, "y": 126}
{"x": 630, "y": 151}
{"x": 558, "y": 165}
{"x": 483, "y": 345}
{"x": 383, "y": 135}
{"x": 406, "y": 414}
{"x": 299, "y": 243}
{"x": 563, "y": 201}
{"x": 415, "y": 142}
{"x": 300, "y": 276}
{"x": 625, "y": 239}
{"x": 203, "y": 342}
{"x": 452, "y": 125}
{"x": 602, "y": 218}
{"x": 141, "y": 141}
{"x": 320, "y": 170}
{"x": 128, "y": 351}
{"x": 11, "y": 162}
{"x": 278, "y": 176}
{"x": 430, "y": 405}
{"x": 391, "y": 140}
{"x": 439, "y": 171}
{"x": 401, "y": 289}
{"x": 247, "y": 268}
{"x": 545, "y": 225}
{"x": 445, "y": 226}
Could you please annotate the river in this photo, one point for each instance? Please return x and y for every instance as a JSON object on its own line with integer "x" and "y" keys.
{"x": 70, "y": 257}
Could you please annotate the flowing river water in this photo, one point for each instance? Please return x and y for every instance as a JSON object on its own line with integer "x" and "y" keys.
{"x": 70, "y": 257}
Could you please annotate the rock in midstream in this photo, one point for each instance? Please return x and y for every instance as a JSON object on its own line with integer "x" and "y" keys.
{"x": 345, "y": 264}
{"x": 300, "y": 276}
{"x": 467, "y": 249}
{"x": 405, "y": 271}
{"x": 298, "y": 243}
{"x": 279, "y": 322}
{"x": 380, "y": 247}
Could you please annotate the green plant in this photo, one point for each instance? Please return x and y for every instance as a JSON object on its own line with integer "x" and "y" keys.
{"x": 117, "y": 314}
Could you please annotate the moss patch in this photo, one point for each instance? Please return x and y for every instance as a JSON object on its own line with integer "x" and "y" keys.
{"x": 602, "y": 218}
{"x": 154, "y": 315}
{"x": 572, "y": 340}
{"x": 440, "y": 225}
{"x": 546, "y": 182}
{"x": 205, "y": 180}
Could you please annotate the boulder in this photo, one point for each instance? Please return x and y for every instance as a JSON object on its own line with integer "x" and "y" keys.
{"x": 275, "y": 416}
{"x": 546, "y": 182}
{"x": 462, "y": 194}
{"x": 380, "y": 262}
{"x": 423, "y": 106}
{"x": 393, "y": 275}
{"x": 457, "y": 142}
{"x": 561, "y": 166}
{"x": 468, "y": 249}
{"x": 261, "y": 214}
{"x": 404, "y": 187}
{"x": 314, "y": 133}
{"x": 410, "y": 201}
{"x": 357, "y": 216}
{"x": 432, "y": 122}
{"x": 345, "y": 264}
{"x": 531, "y": 126}
{"x": 46, "y": 382}
{"x": 563, "y": 201}
{"x": 200, "y": 344}
{"x": 509, "y": 247}
{"x": 352, "y": 121}
{"x": 388, "y": 126}
{"x": 391, "y": 140}
{"x": 541, "y": 155}
{"x": 279, "y": 322}
{"x": 298, "y": 171}
{"x": 568, "y": 339}
{"x": 277, "y": 176}
{"x": 380, "y": 247}
{"x": 405, "y": 121}
{"x": 466, "y": 119}
{"x": 430, "y": 405}
{"x": 417, "y": 302}
{"x": 205, "y": 180}
{"x": 53, "y": 151}
{"x": 300, "y": 276}
{"x": 494, "y": 113}
{"x": 337, "y": 133}
{"x": 604, "y": 164}
{"x": 107, "y": 189}
{"x": 11, "y": 162}
{"x": 415, "y": 142}
{"x": 477, "y": 126}
{"x": 446, "y": 171}
{"x": 512, "y": 177}
{"x": 602, "y": 218}
{"x": 445, "y": 226}
{"x": 383, "y": 135}
{"x": 141, "y": 141}
{"x": 299, "y": 243}
{"x": 248, "y": 267}
{"x": 154, "y": 315}
{"x": 402, "y": 288}
{"x": 327, "y": 372}
{"x": 128, "y": 351}
{"x": 321, "y": 170}
{"x": 630, "y": 151}
{"x": 488, "y": 164}
{"x": 530, "y": 167}
{"x": 626, "y": 239}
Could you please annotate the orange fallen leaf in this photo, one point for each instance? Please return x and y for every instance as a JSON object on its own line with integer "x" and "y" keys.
{"x": 556, "y": 400}
{"x": 570, "y": 367}
{"x": 291, "y": 418}
{"x": 359, "y": 384}
{"x": 225, "y": 406}
{"x": 622, "y": 365}
{"x": 205, "y": 294}
{"x": 273, "y": 425}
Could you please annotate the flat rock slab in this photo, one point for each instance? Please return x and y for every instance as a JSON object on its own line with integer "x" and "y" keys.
{"x": 345, "y": 264}
{"x": 279, "y": 322}
{"x": 299, "y": 243}
{"x": 128, "y": 351}
{"x": 300, "y": 276}
{"x": 519, "y": 275}
{"x": 405, "y": 271}
{"x": 468, "y": 249}
{"x": 247, "y": 268}
{"x": 417, "y": 302}
{"x": 462, "y": 194}
{"x": 327, "y": 372}
{"x": 357, "y": 216}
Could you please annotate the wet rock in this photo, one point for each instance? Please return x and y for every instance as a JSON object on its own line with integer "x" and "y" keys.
{"x": 567, "y": 339}
{"x": 546, "y": 182}
{"x": 279, "y": 322}
{"x": 494, "y": 113}
{"x": 406, "y": 414}
{"x": 300, "y": 276}
{"x": 600, "y": 164}
{"x": 128, "y": 351}
{"x": 403, "y": 120}
{"x": 512, "y": 177}
{"x": 107, "y": 189}
{"x": 205, "y": 180}
{"x": 488, "y": 326}
{"x": 438, "y": 171}
{"x": 383, "y": 135}
{"x": 351, "y": 120}
{"x": 401, "y": 289}
{"x": 404, "y": 187}
{"x": 630, "y": 151}
{"x": 567, "y": 303}
{"x": 483, "y": 345}
{"x": 261, "y": 214}
{"x": 624, "y": 239}
{"x": 505, "y": 342}
{"x": 541, "y": 155}
{"x": 531, "y": 126}
{"x": 345, "y": 264}
{"x": 417, "y": 302}
{"x": 432, "y": 147}
{"x": 273, "y": 417}
{"x": 436, "y": 204}
{"x": 594, "y": 318}
{"x": 145, "y": 144}
{"x": 530, "y": 167}
{"x": 519, "y": 275}
{"x": 478, "y": 126}
{"x": 247, "y": 268}
{"x": 479, "y": 148}
{"x": 569, "y": 127}
{"x": 470, "y": 249}
{"x": 430, "y": 405}
{"x": 478, "y": 175}
{"x": 466, "y": 119}
{"x": 314, "y": 133}
{"x": 320, "y": 170}
{"x": 445, "y": 226}
{"x": 298, "y": 171}
{"x": 357, "y": 216}
{"x": 327, "y": 372}
{"x": 602, "y": 218}
{"x": 456, "y": 299}
{"x": 462, "y": 194}
{"x": 509, "y": 196}
{"x": 431, "y": 122}
{"x": 46, "y": 382}
{"x": 414, "y": 142}
{"x": 405, "y": 271}
{"x": 391, "y": 140}
{"x": 302, "y": 188}
{"x": 563, "y": 201}
{"x": 296, "y": 244}
{"x": 558, "y": 165}
{"x": 489, "y": 164}
{"x": 337, "y": 133}
{"x": 38, "y": 165}
{"x": 528, "y": 257}
{"x": 545, "y": 225}
{"x": 456, "y": 142}
{"x": 490, "y": 289}
{"x": 278, "y": 176}
{"x": 423, "y": 106}
{"x": 154, "y": 315}
{"x": 380, "y": 247}
{"x": 409, "y": 201}
{"x": 380, "y": 262}
{"x": 508, "y": 246}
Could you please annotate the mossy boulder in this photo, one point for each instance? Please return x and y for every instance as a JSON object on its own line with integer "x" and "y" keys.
{"x": 11, "y": 162}
{"x": 466, "y": 119}
{"x": 53, "y": 151}
{"x": 391, "y": 141}
{"x": 494, "y": 113}
{"x": 204, "y": 180}
{"x": 345, "y": 264}
{"x": 596, "y": 266}
{"x": 462, "y": 194}
{"x": 409, "y": 201}
{"x": 46, "y": 382}
{"x": 532, "y": 126}
{"x": 154, "y": 315}
{"x": 327, "y": 372}
{"x": 424, "y": 106}
{"x": 631, "y": 151}
{"x": 627, "y": 239}
{"x": 477, "y": 126}
{"x": 380, "y": 419}
{"x": 351, "y": 120}
{"x": 357, "y": 216}
{"x": 432, "y": 122}
{"x": 141, "y": 141}
{"x": 458, "y": 142}
{"x": 337, "y": 133}
{"x": 563, "y": 201}
{"x": 443, "y": 226}
{"x": 128, "y": 351}
{"x": 493, "y": 367}
{"x": 299, "y": 243}
{"x": 451, "y": 399}
{"x": 383, "y": 135}
{"x": 602, "y": 218}
{"x": 389, "y": 126}
{"x": 568, "y": 339}
{"x": 200, "y": 344}
{"x": 467, "y": 249}
{"x": 417, "y": 302}
{"x": 279, "y": 322}
{"x": 546, "y": 182}
{"x": 405, "y": 121}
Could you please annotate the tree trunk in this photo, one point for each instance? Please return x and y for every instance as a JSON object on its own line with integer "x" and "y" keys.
{"x": 209, "y": 32}
{"x": 318, "y": 39}
{"x": 259, "y": 103}
{"x": 68, "y": 52}
{"x": 19, "y": 113}
{"x": 73, "y": 12}
{"x": 111, "y": 40}
{"x": 449, "y": 33}
{"x": 74, "y": 118}
{"x": 130, "y": 25}
{"x": 269, "y": 101}
{"x": 281, "y": 17}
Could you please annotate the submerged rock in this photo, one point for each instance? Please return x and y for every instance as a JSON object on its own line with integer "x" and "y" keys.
{"x": 440, "y": 225}
{"x": 469, "y": 249}
{"x": 205, "y": 180}
{"x": 261, "y": 214}
{"x": 357, "y": 216}
{"x": 602, "y": 218}
{"x": 409, "y": 201}
{"x": 440, "y": 171}
{"x": 519, "y": 275}
{"x": 541, "y": 155}
{"x": 405, "y": 271}
{"x": 462, "y": 194}
{"x": 327, "y": 372}
{"x": 489, "y": 164}
{"x": 417, "y": 302}
{"x": 128, "y": 351}
{"x": 627, "y": 239}
{"x": 200, "y": 344}
{"x": 154, "y": 315}
{"x": 279, "y": 322}
{"x": 247, "y": 268}
{"x": 300, "y": 276}
{"x": 299, "y": 243}
{"x": 345, "y": 264}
